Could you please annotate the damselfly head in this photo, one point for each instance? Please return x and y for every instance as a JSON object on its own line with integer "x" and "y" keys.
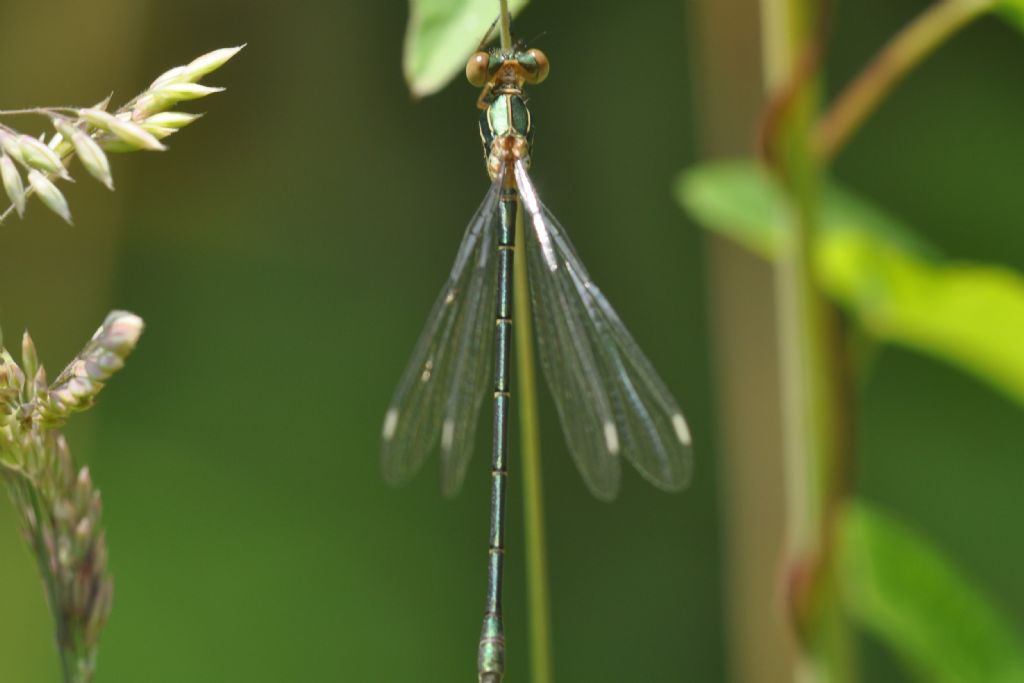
{"x": 508, "y": 69}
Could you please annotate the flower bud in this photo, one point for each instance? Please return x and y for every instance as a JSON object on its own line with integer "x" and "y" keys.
{"x": 9, "y": 144}
{"x": 12, "y": 183}
{"x": 211, "y": 61}
{"x": 171, "y": 119}
{"x": 87, "y": 149}
{"x": 92, "y": 158}
{"x": 29, "y": 357}
{"x": 159, "y": 132}
{"x": 127, "y": 131}
{"x": 77, "y": 386}
{"x": 49, "y": 194}
{"x": 40, "y": 157}
{"x": 179, "y": 92}
{"x": 166, "y": 96}
{"x": 170, "y": 76}
{"x": 120, "y": 332}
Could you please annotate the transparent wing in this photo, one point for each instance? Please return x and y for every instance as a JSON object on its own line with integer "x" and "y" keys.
{"x": 442, "y": 388}
{"x": 610, "y": 399}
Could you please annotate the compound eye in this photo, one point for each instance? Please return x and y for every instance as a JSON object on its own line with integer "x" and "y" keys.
{"x": 477, "y": 69}
{"x": 539, "y": 69}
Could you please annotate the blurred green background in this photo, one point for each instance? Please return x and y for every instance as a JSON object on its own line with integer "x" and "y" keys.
{"x": 284, "y": 254}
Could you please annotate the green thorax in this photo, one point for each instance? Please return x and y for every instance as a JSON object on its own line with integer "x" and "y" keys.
{"x": 506, "y": 114}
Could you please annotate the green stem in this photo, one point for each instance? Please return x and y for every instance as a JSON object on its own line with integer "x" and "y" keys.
{"x": 505, "y": 19}
{"x": 39, "y": 111}
{"x": 68, "y": 658}
{"x": 541, "y": 668}
{"x": 538, "y": 598}
{"x": 906, "y": 50}
{"x": 815, "y": 399}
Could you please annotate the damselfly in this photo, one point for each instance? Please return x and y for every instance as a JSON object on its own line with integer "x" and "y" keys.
{"x": 611, "y": 402}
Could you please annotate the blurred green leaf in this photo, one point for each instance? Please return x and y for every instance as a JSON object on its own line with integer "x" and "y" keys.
{"x": 898, "y": 587}
{"x": 440, "y": 37}
{"x": 737, "y": 199}
{"x": 970, "y": 315}
{"x": 741, "y": 200}
{"x": 1012, "y": 11}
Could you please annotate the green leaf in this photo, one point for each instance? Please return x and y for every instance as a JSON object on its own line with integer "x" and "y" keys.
{"x": 966, "y": 314}
{"x": 899, "y": 588}
{"x": 742, "y": 201}
{"x": 737, "y": 199}
{"x": 1012, "y": 11}
{"x": 440, "y": 37}
{"x": 894, "y": 284}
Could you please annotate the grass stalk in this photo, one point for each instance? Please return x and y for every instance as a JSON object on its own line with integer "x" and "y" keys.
{"x": 68, "y": 661}
{"x": 538, "y": 595}
{"x": 538, "y": 598}
{"x": 505, "y": 20}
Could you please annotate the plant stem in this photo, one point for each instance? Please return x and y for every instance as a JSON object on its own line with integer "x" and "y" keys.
{"x": 541, "y": 668}
{"x": 40, "y": 111}
{"x": 906, "y": 50}
{"x": 743, "y": 327}
{"x": 505, "y": 19}
{"x": 815, "y": 401}
{"x": 53, "y": 598}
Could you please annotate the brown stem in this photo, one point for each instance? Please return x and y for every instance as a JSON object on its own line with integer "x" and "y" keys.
{"x": 905, "y": 51}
